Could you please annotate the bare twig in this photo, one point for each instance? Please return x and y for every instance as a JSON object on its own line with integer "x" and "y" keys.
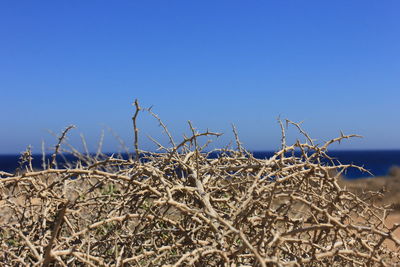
{"x": 57, "y": 147}
{"x": 47, "y": 259}
{"x": 135, "y": 129}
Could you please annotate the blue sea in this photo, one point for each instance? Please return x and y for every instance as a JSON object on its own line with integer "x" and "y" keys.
{"x": 378, "y": 162}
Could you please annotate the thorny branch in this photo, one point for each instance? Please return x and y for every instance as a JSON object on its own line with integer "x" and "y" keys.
{"x": 185, "y": 208}
{"x": 135, "y": 129}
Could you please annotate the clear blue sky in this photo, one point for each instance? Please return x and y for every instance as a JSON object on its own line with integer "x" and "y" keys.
{"x": 333, "y": 64}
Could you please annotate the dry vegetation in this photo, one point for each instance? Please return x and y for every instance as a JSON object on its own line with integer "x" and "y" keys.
{"x": 389, "y": 185}
{"x": 179, "y": 207}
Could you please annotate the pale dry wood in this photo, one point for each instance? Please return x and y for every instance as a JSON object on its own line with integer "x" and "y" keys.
{"x": 180, "y": 207}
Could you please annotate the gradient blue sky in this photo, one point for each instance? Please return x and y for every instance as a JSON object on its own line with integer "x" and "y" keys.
{"x": 333, "y": 64}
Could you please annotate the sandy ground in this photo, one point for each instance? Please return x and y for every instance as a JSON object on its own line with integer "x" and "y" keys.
{"x": 392, "y": 219}
{"x": 389, "y": 185}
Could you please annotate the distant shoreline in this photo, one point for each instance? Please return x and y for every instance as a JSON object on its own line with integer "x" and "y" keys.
{"x": 378, "y": 162}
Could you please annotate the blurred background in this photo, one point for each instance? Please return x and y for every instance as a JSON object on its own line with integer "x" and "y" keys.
{"x": 334, "y": 65}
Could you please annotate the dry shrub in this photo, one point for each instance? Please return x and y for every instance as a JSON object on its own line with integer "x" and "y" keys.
{"x": 181, "y": 207}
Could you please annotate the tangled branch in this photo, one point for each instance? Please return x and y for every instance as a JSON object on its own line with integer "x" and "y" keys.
{"x": 185, "y": 207}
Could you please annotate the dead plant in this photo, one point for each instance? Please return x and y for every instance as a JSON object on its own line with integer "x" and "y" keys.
{"x": 182, "y": 206}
